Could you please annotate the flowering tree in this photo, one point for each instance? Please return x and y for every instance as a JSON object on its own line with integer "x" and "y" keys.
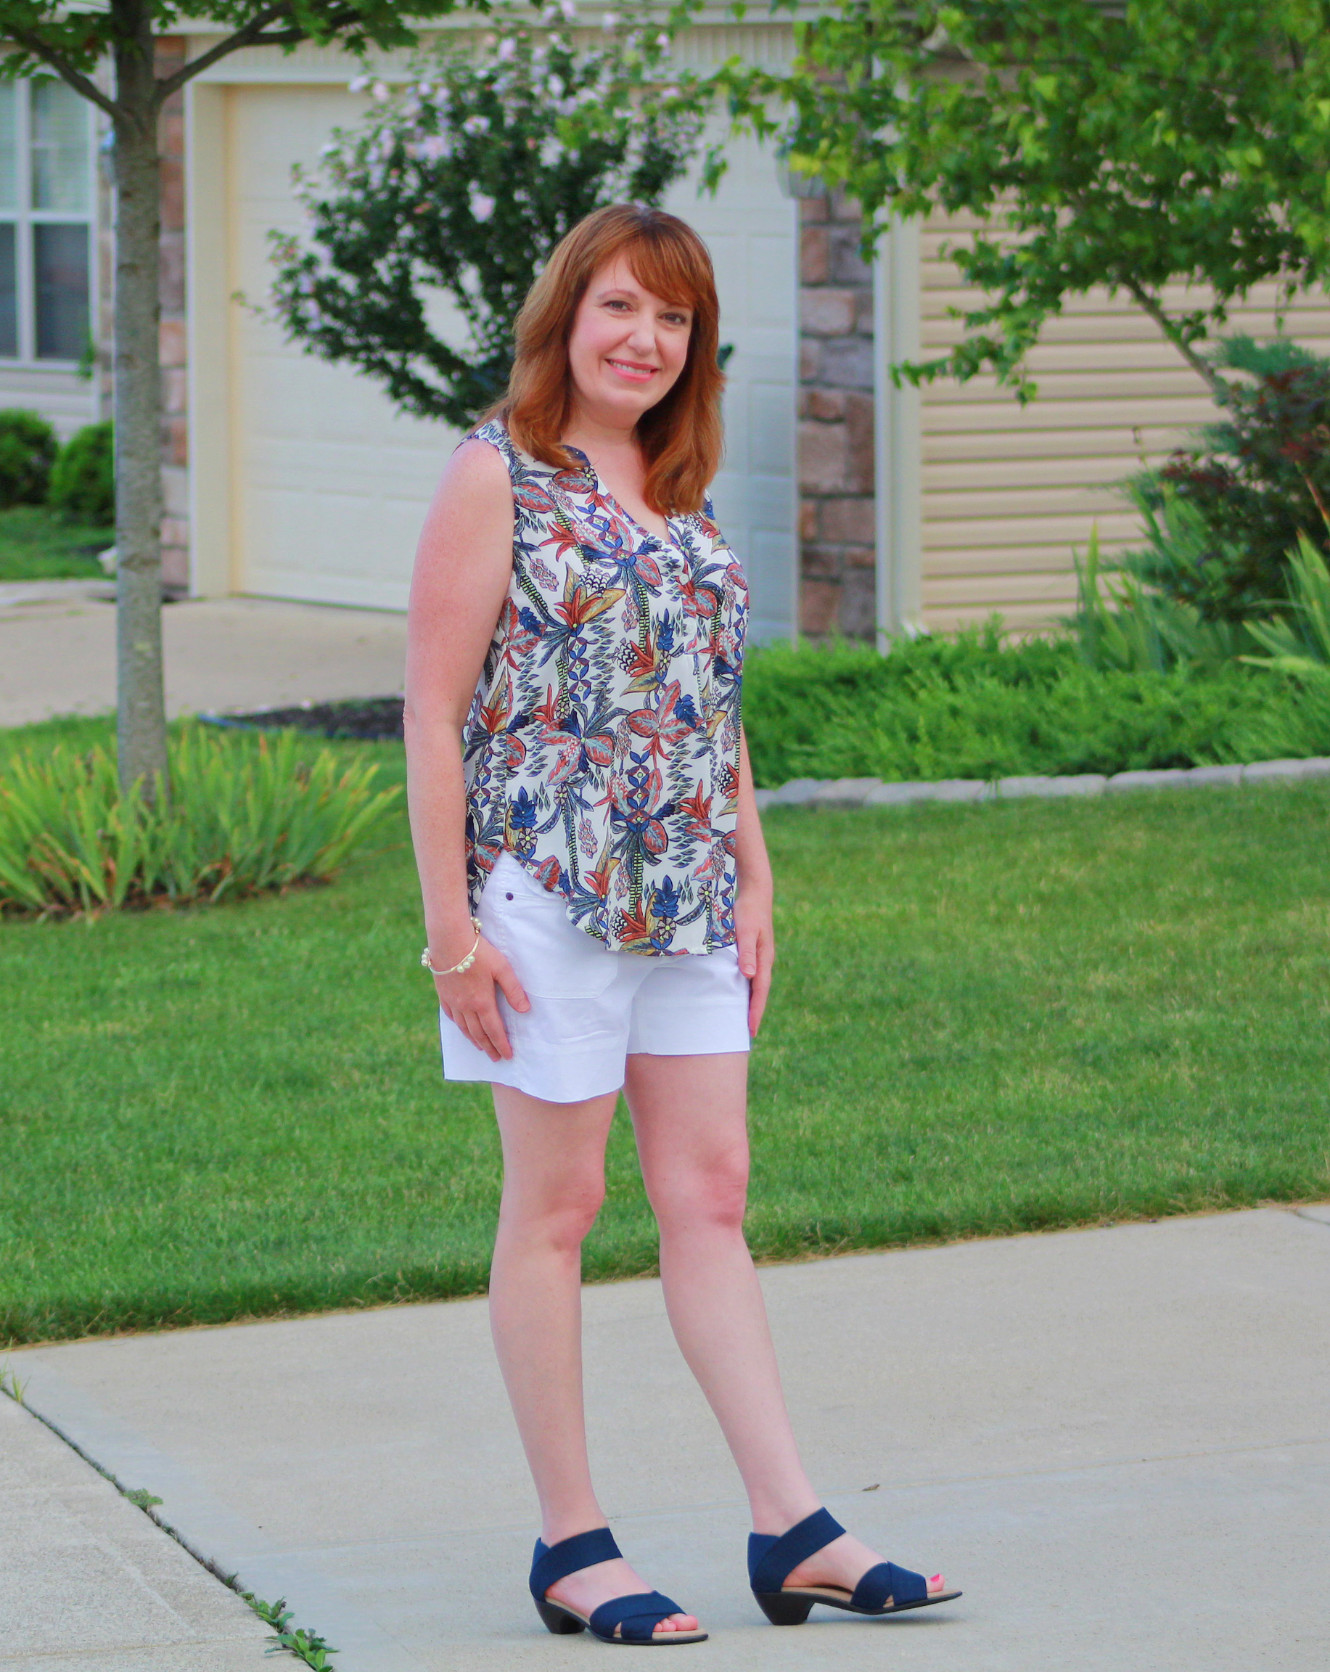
{"x": 462, "y": 182}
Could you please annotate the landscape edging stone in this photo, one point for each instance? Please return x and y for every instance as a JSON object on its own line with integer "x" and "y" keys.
{"x": 875, "y": 792}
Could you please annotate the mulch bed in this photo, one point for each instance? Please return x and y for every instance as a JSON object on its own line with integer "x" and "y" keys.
{"x": 366, "y": 719}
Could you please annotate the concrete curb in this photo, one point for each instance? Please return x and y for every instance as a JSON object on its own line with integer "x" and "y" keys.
{"x": 873, "y": 792}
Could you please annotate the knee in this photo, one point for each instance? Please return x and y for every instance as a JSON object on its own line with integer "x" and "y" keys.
{"x": 558, "y": 1220}
{"x": 715, "y": 1195}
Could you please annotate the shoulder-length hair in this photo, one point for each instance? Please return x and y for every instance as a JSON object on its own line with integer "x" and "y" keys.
{"x": 680, "y": 436}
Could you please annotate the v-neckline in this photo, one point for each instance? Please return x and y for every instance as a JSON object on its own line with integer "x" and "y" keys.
{"x": 660, "y": 539}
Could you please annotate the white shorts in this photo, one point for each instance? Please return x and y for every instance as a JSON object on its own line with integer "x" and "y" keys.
{"x": 591, "y": 1007}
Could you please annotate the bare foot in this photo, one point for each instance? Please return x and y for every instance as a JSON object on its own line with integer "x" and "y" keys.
{"x": 843, "y": 1563}
{"x": 585, "y": 1590}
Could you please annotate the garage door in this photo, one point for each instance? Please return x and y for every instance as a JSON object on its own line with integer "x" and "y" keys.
{"x": 330, "y": 483}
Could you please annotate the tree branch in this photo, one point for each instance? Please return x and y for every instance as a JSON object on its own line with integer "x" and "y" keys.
{"x": 253, "y": 34}
{"x": 1202, "y": 367}
{"x": 75, "y": 78}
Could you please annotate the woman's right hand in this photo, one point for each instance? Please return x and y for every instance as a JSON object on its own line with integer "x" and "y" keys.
{"x": 470, "y": 999}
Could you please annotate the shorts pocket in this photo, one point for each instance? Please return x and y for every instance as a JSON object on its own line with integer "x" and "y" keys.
{"x": 551, "y": 956}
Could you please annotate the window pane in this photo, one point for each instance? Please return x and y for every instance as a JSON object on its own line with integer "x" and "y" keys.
{"x": 9, "y": 145}
{"x": 60, "y": 274}
{"x": 59, "y": 147}
{"x": 8, "y": 295}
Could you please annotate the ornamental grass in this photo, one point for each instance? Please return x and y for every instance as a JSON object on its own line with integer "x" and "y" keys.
{"x": 243, "y": 816}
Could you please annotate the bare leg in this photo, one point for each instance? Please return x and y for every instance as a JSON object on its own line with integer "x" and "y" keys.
{"x": 553, "y": 1185}
{"x": 690, "y": 1118}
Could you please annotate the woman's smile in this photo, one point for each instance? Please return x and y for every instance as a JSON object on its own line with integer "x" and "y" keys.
{"x": 636, "y": 370}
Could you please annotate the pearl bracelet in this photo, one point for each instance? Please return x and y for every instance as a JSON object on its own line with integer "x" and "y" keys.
{"x": 461, "y": 967}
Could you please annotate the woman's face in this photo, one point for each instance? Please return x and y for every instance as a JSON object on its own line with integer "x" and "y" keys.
{"x": 627, "y": 347}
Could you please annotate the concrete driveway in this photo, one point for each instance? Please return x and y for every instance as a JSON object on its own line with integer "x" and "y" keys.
{"x": 57, "y": 652}
{"x": 1117, "y": 1441}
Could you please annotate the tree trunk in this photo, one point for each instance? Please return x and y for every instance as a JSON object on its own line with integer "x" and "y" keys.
{"x": 140, "y": 698}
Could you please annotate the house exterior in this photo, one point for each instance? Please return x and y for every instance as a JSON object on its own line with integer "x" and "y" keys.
{"x": 50, "y": 279}
{"x": 857, "y": 506}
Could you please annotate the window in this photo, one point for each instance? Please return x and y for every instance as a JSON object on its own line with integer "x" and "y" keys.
{"x": 45, "y": 221}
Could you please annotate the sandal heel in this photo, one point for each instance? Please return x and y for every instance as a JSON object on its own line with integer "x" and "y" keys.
{"x": 558, "y": 1620}
{"x": 783, "y": 1610}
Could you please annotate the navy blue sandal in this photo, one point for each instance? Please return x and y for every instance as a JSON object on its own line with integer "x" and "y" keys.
{"x": 636, "y": 1616}
{"x": 884, "y": 1589}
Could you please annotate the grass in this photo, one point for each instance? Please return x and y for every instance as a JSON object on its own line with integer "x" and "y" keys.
{"x": 987, "y": 1019}
{"x": 35, "y": 545}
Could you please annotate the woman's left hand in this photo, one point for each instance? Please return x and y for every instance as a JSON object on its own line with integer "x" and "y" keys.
{"x": 757, "y": 948}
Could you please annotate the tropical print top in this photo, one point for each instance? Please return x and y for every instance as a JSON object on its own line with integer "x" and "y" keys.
{"x": 602, "y": 744}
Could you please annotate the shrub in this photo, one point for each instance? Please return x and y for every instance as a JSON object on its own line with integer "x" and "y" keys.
{"x": 83, "y": 476}
{"x": 27, "y": 451}
{"x": 1120, "y": 624}
{"x": 969, "y": 705}
{"x": 244, "y": 816}
{"x": 1298, "y": 641}
{"x": 1295, "y": 727}
{"x": 1223, "y": 514}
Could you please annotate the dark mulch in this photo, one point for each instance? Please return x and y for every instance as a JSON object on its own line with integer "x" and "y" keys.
{"x": 367, "y": 719}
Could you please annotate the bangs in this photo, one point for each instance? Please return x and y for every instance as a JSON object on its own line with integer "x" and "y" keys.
{"x": 668, "y": 266}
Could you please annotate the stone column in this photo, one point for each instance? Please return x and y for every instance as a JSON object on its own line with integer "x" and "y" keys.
{"x": 836, "y": 378}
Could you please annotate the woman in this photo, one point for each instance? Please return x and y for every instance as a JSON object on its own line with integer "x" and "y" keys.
{"x": 596, "y": 889}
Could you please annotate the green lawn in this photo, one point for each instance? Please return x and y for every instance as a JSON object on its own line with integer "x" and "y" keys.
{"x": 35, "y": 545}
{"x": 986, "y": 1019}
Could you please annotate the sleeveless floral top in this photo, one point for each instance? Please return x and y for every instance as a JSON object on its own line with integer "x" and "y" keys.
{"x": 602, "y": 744}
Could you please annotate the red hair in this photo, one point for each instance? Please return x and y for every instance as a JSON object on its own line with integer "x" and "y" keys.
{"x": 680, "y": 436}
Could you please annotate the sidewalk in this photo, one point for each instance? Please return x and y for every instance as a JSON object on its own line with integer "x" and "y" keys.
{"x": 57, "y": 652}
{"x": 87, "y": 1581}
{"x": 1117, "y": 1441}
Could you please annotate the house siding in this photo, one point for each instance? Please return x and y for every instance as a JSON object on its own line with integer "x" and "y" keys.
{"x": 1008, "y": 493}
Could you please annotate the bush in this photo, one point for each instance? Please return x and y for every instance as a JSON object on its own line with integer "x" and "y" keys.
{"x": 1223, "y": 514}
{"x": 27, "y": 451}
{"x": 1119, "y": 624}
{"x": 1297, "y": 641}
{"x": 244, "y": 816}
{"x": 83, "y": 476}
{"x": 969, "y": 705}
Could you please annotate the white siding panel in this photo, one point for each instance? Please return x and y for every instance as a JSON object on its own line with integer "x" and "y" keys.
{"x": 330, "y": 484}
{"x": 1009, "y": 491}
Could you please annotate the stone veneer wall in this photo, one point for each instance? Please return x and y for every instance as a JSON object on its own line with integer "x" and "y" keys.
{"x": 836, "y": 501}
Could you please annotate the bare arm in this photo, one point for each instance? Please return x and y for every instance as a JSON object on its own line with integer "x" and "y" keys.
{"x": 757, "y": 943}
{"x": 463, "y": 566}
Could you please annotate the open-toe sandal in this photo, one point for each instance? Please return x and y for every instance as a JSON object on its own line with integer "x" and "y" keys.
{"x": 884, "y": 1589}
{"x": 625, "y": 1619}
